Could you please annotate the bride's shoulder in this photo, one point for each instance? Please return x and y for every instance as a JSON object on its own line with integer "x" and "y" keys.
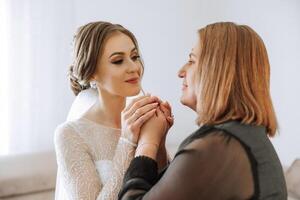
{"x": 66, "y": 130}
{"x": 69, "y": 125}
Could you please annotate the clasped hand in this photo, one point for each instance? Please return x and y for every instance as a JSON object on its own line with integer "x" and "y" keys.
{"x": 146, "y": 121}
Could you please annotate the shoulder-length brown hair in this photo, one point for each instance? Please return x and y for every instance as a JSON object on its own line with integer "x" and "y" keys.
{"x": 233, "y": 77}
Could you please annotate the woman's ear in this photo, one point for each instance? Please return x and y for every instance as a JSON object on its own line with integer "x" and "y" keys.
{"x": 93, "y": 82}
{"x": 94, "y": 77}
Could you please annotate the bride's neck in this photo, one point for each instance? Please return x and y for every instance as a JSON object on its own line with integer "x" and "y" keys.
{"x": 108, "y": 109}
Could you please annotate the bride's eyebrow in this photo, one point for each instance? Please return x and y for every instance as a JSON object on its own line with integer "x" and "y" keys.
{"x": 116, "y": 53}
{"x": 121, "y": 53}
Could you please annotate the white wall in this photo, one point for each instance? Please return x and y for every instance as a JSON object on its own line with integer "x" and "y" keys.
{"x": 166, "y": 31}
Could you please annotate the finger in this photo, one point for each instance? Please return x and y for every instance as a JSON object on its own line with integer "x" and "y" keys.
{"x": 170, "y": 121}
{"x": 167, "y": 105}
{"x": 134, "y": 101}
{"x": 141, "y": 111}
{"x": 158, "y": 99}
{"x": 140, "y": 104}
{"x": 140, "y": 121}
{"x": 165, "y": 110}
{"x": 160, "y": 113}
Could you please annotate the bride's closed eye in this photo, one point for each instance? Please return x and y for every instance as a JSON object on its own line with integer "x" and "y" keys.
{"x": 117, "y": 62}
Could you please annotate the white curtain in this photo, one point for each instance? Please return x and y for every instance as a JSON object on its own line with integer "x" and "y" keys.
{"x": 36, "y": 38}
{"x": 35, "y": 51}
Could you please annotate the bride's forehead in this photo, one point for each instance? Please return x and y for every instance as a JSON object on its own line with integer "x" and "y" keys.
{"x": 118, "y": 43}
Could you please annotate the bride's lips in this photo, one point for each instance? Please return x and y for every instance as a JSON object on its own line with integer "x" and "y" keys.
{"x": 133, "y": 80}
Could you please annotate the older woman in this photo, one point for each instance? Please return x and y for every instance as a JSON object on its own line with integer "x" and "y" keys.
{"x": 226, "y": 81}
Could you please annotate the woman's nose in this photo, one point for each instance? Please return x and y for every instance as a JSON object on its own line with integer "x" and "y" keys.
{"x": 134, "y": 66}
{"x": 181, "y": 72}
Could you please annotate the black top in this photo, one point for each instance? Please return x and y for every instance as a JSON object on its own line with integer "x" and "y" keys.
{"x": 225, "y": 161}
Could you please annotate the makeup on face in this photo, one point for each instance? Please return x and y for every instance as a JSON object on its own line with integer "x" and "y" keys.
{"x": 118, "y": 58}
{"x": 134, "y": 80}
{"x": 120, "y": 67}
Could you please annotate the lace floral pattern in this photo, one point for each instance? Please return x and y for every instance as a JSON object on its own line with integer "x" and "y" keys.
{"x": 91, "y": 159}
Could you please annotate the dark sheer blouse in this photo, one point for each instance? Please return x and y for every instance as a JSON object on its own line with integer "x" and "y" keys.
{"x": 225, "y": 161}
{"x": 208, "y": 165}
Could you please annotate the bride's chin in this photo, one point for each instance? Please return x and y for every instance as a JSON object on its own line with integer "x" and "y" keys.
{"x": 133, "y": 92}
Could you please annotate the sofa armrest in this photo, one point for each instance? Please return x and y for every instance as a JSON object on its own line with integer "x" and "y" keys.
{"x": 27, "y": 173}
{"x": 292, "y": 176}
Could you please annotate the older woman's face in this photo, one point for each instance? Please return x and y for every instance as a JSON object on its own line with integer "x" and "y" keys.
{"x": 187, "y": 73}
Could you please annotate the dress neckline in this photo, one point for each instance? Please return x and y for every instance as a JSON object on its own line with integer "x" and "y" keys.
{"x": 98, "y": 124}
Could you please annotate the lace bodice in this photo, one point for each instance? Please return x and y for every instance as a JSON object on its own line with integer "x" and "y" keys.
{"x": 91, "y": 159}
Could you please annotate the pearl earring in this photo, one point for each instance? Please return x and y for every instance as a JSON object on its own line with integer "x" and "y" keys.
{"x": 93, "y": 84}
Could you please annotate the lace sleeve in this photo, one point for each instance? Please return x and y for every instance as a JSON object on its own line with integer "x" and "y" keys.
{"x": 78, "y": 171}
{"x": 76, "y": 166}
{"x": 122, "y": 158}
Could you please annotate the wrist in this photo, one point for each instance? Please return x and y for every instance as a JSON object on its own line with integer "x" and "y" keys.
{"x": 147, "y": 149}
{"x": 131, "y": 143}
{"x": 130, "y": 137}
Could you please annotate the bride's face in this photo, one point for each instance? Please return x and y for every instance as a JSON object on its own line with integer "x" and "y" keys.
{"x": 119, "y": 68}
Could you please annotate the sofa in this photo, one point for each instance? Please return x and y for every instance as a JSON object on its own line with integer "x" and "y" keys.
{"x": 28, "y": 176}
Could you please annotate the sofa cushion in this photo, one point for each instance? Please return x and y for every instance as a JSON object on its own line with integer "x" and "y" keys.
{"x": 43, "y": 195}
{"x": 22, "y": 174}
{"x": 293, "y": 179}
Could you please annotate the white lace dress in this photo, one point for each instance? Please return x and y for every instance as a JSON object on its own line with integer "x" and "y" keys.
{"x": 92, "y": 160}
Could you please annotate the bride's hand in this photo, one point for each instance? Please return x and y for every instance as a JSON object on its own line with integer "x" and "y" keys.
{"x": 136, "y": 114}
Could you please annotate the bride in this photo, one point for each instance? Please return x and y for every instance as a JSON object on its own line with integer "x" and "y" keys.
{"x": 94, "y": 151}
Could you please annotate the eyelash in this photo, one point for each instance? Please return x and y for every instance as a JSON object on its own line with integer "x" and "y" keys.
{"x": 119, "y": 62}
{"x": 191, "y": 62}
